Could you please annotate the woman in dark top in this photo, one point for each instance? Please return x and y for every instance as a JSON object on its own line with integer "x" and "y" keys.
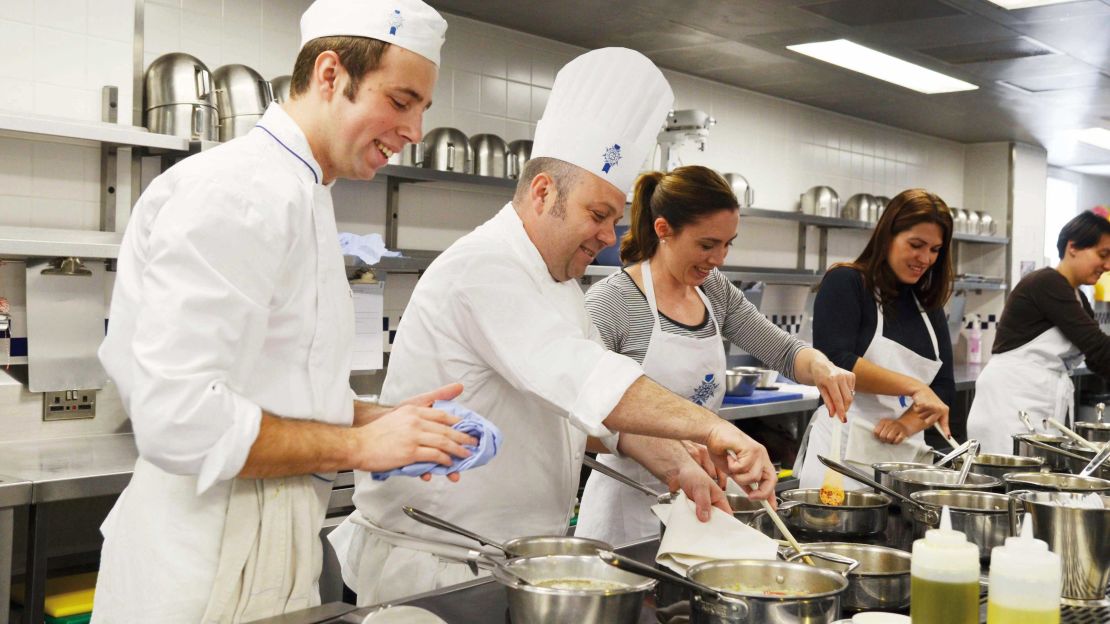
{"x": 1046, "y": 330}
{"x": 882, "y": 317}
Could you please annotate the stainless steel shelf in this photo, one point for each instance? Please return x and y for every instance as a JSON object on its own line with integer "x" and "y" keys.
{"x": 420, "y": 174}
{"x": 770, "y": 275}
{"x": 808, "y": 219}
{"x": 24, "y": 242}
{"x": 976, "y": 238}
{"x": 743, "y": 412}
{"x": 413, "y": 261}
{"x": 977, "y": 285}
{"x": 88, "y": 132}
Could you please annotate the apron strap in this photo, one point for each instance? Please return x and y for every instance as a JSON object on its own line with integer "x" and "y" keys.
{"x": 924, "y": 317}
{"x": 649, "y": 294}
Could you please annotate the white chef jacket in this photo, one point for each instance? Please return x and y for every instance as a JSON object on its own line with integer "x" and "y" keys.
{"x": 230, "y": 298}
{"x": 487, "y": 313}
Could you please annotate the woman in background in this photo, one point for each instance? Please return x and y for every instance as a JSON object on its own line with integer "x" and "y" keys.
{"x": 1046, "y": 330}
{"x": 882, "y": 317}
{"x": 669, "y": 309}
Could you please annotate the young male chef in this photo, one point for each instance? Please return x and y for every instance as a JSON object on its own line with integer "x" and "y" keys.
{"x": 501, "y": 312}
{"x": 230, "y": 337}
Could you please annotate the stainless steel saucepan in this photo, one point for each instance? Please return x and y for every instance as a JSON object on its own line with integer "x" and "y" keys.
{"x": 880, "y": 582}
{"x": 984, "y": 517}
{"x": 1055, "y": 482}
{"x": 519, "y": 546}
{"x": 1030, "y": 445}
{"x": 996, "y": 465}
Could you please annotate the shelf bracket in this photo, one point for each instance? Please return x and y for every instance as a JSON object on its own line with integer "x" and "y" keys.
{"x": 109, "y": 112}
{"x": 802, "y": 246}
{"x": 823, "y": 250}
{"x": 392, "y": 211}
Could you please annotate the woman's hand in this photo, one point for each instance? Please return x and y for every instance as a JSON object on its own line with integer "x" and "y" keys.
{"x": 892, "y": 431}
{"x": 928, "y": 407}
{"x": 837, "y": 386}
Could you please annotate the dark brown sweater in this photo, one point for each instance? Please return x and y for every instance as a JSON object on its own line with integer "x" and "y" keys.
{"x": 1044, "y": 299}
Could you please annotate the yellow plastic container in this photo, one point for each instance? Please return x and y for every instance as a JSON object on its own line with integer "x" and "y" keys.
{"x": 65, "y": 595}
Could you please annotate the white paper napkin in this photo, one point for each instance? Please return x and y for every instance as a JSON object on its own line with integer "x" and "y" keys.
{"x": 688, "y": 541}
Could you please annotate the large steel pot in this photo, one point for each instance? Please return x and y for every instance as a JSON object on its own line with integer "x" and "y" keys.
{"x": 996, "y": 465}
{"x": 883, "y": 469}
{"x": 1055, "y": 482}
{"x": 178, "y": 99}
{"x": 1080, "y": 536}
{"x": 1032, "y": 445}
{"x": 448, "y": 149}
{"x": 1093, "y": 431}
{"x": 745, "y": 194}
{"x": 550, "y": 596}
{"x": 519, "y": 153}
{"x": 984, "y": 517}
{"x": 821, "y": 201}
{"x": 882, "y": 580}
{"x": 736, "y": 579}
{"x": 242, "y": 96}
{"x": 906, "y": 482}
{"x": 863, "y": 513}
{"x": 533, "y": 546}
{"x": 490, "y": 155}
{"x": 858, "y": 207}
{"x": 282, "y": 85}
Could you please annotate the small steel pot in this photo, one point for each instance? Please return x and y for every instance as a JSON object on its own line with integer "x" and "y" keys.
{"x": 906, "y": 482}
{"x": 490, "y": 155}
{"x": 883, "y": 470}
{"x": 1075, "y": 464}
{"x": 821, "y": 201}
{"x": 745, "y": 194}
{"x": 1055, "y": 482}
{"x": 820, "y": 603}
{"x": 863, "y": 513}
{"x": 984, "y": 517}
{"x": 1053, "y": 461}
{"x": 448, "y": 149}
{"x": 995, "y": 465}
{"x": 519, "y": 153}
{"x": 882, "y": 580}
{"x": 538, "y": 604}
{"x": 1094, "y": 431}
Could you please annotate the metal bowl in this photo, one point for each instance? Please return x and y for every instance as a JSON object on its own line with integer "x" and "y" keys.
{"x": 906, "y": 482}
{"x": 863, "y": 513}
{"x": 996, "y": 465}
{"x": 984, "y": 517}
{"x": 1055, "y": 482}
{"x": 740, "y": 382}
{"x": 538, "y": 604}
{"x": 882, "y": 580}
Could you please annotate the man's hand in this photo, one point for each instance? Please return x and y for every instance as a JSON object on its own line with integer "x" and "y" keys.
{"x": 366, "y": 413}
{"x": 699, "y": 487}
{"x": 701, "y": 457}
{"x": 406, "y": 435}
{"x": 749, "y": 463}
{"x": 837, "y": 386}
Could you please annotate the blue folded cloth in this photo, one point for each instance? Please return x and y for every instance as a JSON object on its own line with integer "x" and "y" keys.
{"x": 487, "y": 433}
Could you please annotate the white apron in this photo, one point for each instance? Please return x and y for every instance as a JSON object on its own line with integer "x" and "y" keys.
{"x": 860, "y": 447}
{"x": 690, "y": 367}
{"x": 1034, "y": 377}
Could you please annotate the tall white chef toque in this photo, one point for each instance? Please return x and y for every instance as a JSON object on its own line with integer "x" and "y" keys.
{"x": 604, "y": 113}
{"x": 410, "y": 24}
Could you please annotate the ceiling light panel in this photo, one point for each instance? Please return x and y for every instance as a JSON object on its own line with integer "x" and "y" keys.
{"x": 1011, "y": 5}
{"x": 864, "y": 60}
{"x": 1099, "y": 137}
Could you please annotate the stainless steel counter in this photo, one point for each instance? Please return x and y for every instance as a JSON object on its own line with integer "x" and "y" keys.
{"x": 742, "y": 412}
{"x": 14, "y": 492}
{"x": 71, "y": 468}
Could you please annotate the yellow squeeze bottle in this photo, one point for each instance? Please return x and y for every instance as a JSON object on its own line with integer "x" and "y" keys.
{"x": 944, "y": 577}
{"x": 1025, "y": 581}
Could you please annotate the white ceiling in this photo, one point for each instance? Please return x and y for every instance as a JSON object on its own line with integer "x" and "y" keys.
{"x": 1043, "y": 72}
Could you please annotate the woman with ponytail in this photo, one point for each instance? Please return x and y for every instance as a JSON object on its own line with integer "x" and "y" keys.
{"x": 668, "y": 309}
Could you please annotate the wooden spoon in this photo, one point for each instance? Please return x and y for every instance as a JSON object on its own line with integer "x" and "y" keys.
{"x": 832, "y": 489}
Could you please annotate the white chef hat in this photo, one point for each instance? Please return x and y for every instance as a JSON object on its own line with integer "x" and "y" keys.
{"x": 604, "y": 113}
{"x": 410, "y": 24}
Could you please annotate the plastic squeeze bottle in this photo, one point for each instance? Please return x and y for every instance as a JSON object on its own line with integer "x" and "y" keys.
{"x": 944, "y": 577}
{"x": 1025, "y": 581}
{"x": 975, "y": 342}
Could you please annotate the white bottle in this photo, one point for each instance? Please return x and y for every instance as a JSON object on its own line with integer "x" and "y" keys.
{"x": 944, "y": 577}
{"x": 1025, "y": 581}
{"x": 975, "y": 342}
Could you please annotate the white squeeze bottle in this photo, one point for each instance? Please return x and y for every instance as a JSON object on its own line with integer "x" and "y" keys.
{"x": 1025, "y": 581}
{"x": 944, "y": 577}
{"x": 975, "y": 342}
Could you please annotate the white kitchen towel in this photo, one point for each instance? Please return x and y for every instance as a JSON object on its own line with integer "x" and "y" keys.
{"x": 369, "y": 248}
{"x": 689, "y": 541}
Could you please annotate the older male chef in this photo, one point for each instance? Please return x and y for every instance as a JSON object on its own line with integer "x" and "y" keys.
{"x": 230, "y": 337}
{"x": 501, "y": 312}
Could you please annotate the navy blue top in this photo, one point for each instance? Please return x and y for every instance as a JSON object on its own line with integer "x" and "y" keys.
{"x": 844, "y": 318}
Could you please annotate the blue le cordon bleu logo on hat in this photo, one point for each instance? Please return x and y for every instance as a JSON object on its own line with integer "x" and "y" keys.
{"x": 395, "y": 21}
{"x": 612, "y": 157}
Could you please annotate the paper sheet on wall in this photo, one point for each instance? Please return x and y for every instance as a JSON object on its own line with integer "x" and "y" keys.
{"x": 368, "y": 347}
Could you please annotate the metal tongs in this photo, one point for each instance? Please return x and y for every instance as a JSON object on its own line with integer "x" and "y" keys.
{"x": 971, "y": 448}
{"x": 1096, "y": 461}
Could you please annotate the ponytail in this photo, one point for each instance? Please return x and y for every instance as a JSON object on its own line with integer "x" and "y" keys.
{"x": 641, "y": 241}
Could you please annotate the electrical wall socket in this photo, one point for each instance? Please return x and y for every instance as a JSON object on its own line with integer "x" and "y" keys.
{"x": 68, "y": 404}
